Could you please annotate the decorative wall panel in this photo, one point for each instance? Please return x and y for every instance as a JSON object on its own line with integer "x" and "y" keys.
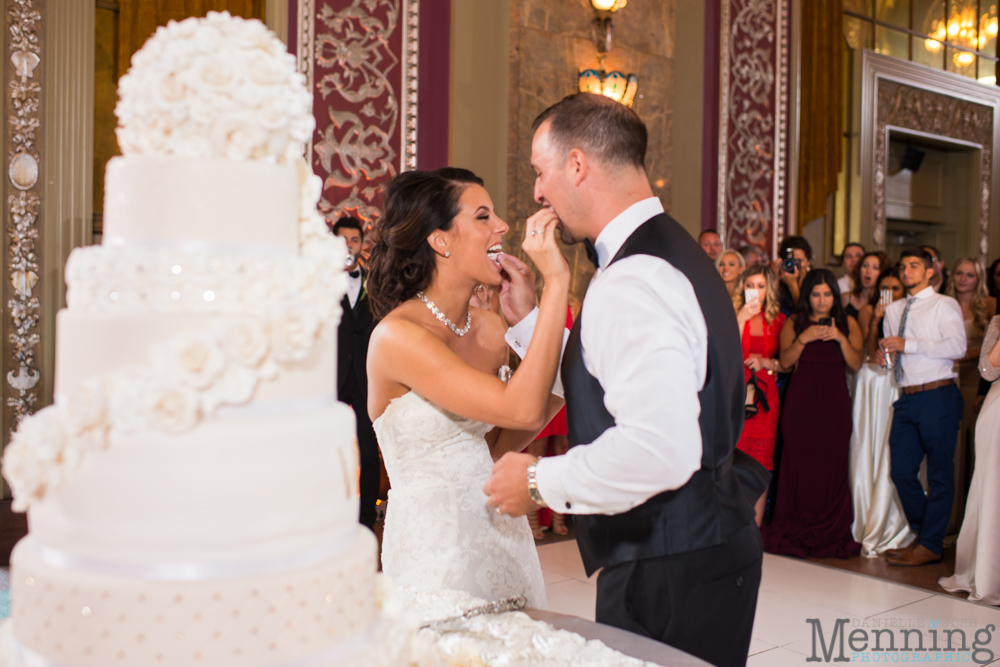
{"x": 360, "y": 59}
{"x": 898, "y": 95}
{"x": 23, "y": 168}
{"x": 753, "y": 123}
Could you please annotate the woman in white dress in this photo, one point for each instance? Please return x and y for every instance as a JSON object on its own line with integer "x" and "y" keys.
{"x": 879, "y": 522}
{"x": 977, "y": 558}
{"x": 441, "y": 413}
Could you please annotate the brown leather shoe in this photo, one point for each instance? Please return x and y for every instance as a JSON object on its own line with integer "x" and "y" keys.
{"x": 919, "y": 556}
{"x": 893, "y": 553}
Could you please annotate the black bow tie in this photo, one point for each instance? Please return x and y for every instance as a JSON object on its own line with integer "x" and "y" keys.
{"x": 591, "y": 253}
{"x": 356, "y": 273}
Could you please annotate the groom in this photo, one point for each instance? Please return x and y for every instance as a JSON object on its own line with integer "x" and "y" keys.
{"x": 654, "y": 388}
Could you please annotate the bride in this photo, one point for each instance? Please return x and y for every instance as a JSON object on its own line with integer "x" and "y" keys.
{"x": 440, "y": 409}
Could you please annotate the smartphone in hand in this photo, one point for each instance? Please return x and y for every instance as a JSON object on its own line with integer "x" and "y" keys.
{"x": 826, "y": 321}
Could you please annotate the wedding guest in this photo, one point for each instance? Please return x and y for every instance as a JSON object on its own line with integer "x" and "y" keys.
{"x": 984, "y": 384}
{"x": 865, "y": 274}
{"x": 993, "y": 279}
{"x": 968, "y": 286}
{"x": 353, "y": 333}
{"x": 753, "y": 254}
{"x": 730, "y": 265}
{"x": 849, "y": 260}
{"x": 940, "y": 279}
{"x": 797, "y": 251}
{"x": 925, "y": 334}
{"x": 879, "y": 521}
{"x": 871, "y": 317}
{"x": 813, "y": 513}
{"x": 977, "y": 558}
{"x": 711, "y": 243}
{"x": 552, "y": 441}
{"x": 760, "y": 323}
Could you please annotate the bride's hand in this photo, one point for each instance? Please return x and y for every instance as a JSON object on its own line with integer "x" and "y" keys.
{"x": 540, "y": 244}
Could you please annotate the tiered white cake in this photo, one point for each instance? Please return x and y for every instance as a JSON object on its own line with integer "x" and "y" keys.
{"x": 192, "y": 493}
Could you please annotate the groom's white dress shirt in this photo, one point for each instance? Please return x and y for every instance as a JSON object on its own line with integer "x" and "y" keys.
{"x": 645, "y": 340}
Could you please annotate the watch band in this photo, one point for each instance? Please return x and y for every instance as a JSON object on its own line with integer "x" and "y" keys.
{"x": 536, "y": 497}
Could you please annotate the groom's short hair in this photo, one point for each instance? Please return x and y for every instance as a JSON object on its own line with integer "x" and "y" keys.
{"x": 599, "y": 126}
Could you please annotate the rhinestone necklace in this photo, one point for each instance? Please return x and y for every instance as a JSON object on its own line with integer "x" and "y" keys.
{"x": 441, "y": 316}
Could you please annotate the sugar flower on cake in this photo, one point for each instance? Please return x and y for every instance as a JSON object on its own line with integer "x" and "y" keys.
{"x": 36, "y": 459}
{"x": 194, "y": 360}
{"x": 222, "y": 87}
{"x": 168, "y": 408}
{"x": 293, "y": 331}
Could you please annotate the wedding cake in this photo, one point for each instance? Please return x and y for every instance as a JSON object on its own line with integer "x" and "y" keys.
{"x": 192, "y": 493}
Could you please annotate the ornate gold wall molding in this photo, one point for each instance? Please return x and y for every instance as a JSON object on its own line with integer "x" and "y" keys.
{"x": 23, "y": 78}
{"x": 753, "y": 122}
{"x": 898, "y": 95}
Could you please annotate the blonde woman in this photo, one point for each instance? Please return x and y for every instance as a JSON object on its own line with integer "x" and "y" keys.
{"x": 760, "y": 320}
{"x": 967, "y": 285}
{"x": 730, "y": 265}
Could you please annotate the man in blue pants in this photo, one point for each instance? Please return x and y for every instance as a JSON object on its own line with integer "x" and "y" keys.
{"x": 926, "y": 333}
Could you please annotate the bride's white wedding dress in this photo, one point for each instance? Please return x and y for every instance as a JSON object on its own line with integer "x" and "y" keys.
{"x": 439, "y": 532}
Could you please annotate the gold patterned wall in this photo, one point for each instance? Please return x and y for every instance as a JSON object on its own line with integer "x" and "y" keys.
{"x": 549, "y": 43}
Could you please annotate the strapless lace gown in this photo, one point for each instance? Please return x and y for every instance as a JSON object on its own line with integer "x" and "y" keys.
{"x": 439, "y": 532}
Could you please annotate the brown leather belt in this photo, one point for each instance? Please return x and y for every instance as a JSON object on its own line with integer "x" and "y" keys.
{"x": 917, "y": 388}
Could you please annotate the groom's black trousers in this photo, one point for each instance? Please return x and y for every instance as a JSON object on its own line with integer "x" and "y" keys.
{"x": 701, "y": 602}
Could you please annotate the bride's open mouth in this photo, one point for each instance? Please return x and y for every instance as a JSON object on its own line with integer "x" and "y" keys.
{"x": 494, "y": 252}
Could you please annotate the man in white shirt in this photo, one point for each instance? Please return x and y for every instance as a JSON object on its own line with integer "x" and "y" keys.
{"x": 654, "y": 388}
{"x": 925, "y": 332}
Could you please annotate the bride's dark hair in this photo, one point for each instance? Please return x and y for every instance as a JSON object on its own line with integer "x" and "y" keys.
{"x": 416, "y": 204}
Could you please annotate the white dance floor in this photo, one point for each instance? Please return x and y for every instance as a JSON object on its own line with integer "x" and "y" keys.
{"x": 794, "y": 590}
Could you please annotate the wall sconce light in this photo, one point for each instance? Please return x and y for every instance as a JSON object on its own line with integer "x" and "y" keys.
{"x": 619, "y": 87}
{"x": 615, "y": 85}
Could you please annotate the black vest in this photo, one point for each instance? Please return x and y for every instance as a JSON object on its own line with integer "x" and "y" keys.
{"x": 353, "y": 333}
{"x": 711, "y": 505}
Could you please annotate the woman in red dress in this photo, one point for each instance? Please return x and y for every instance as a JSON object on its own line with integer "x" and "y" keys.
{"x": 552, "y": 441}
{"x": 757, "y": 312}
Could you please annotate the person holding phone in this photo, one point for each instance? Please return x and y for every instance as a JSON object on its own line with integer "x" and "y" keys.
{"x": 813, "y": 511}
{"x": 879, "y": 521}
{"x": 760, "y": 323}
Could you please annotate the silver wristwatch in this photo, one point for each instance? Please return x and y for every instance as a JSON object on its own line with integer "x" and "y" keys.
{"x": 536, "y": 497}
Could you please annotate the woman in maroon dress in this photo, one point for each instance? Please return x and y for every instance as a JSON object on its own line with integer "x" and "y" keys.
{"x": 813, "y": 511}
{"x": 760, "y": 319}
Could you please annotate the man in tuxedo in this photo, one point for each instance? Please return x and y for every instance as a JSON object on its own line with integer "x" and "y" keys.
{"x": 352, "y": 377}
{"x": 654, "y": 388}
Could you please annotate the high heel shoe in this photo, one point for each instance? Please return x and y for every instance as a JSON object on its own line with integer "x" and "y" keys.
{"x": 559, "y": 524}
{"x": 536, "y": 530}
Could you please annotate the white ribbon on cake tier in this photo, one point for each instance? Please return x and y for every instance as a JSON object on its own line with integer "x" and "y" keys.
{"x": 203, "y": 247}
{"x": 191, "y": 571}
{"x": 334, "y": 655}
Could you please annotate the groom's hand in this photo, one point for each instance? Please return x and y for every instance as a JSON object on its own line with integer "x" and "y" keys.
{"x": 517, "y": 290}
{"x": 507, "y": 489}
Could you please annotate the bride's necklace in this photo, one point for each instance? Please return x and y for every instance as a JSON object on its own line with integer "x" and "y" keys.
{"x": 441, "y": 316}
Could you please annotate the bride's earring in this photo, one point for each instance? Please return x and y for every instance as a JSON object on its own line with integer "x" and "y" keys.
{"x": 447, "y": 253}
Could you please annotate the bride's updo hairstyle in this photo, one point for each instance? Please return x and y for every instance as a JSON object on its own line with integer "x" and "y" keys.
{"x": 402, "y": 263}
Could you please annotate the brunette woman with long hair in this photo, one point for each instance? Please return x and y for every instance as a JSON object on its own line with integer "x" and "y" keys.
{"x": 879, "y": 521}
{"x": 439, "y": 405}
{"x": 813, "y": 514}
{"x": 863, "y": 280}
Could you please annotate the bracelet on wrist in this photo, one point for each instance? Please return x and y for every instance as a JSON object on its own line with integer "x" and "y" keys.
{"x": 536, "y": 497}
